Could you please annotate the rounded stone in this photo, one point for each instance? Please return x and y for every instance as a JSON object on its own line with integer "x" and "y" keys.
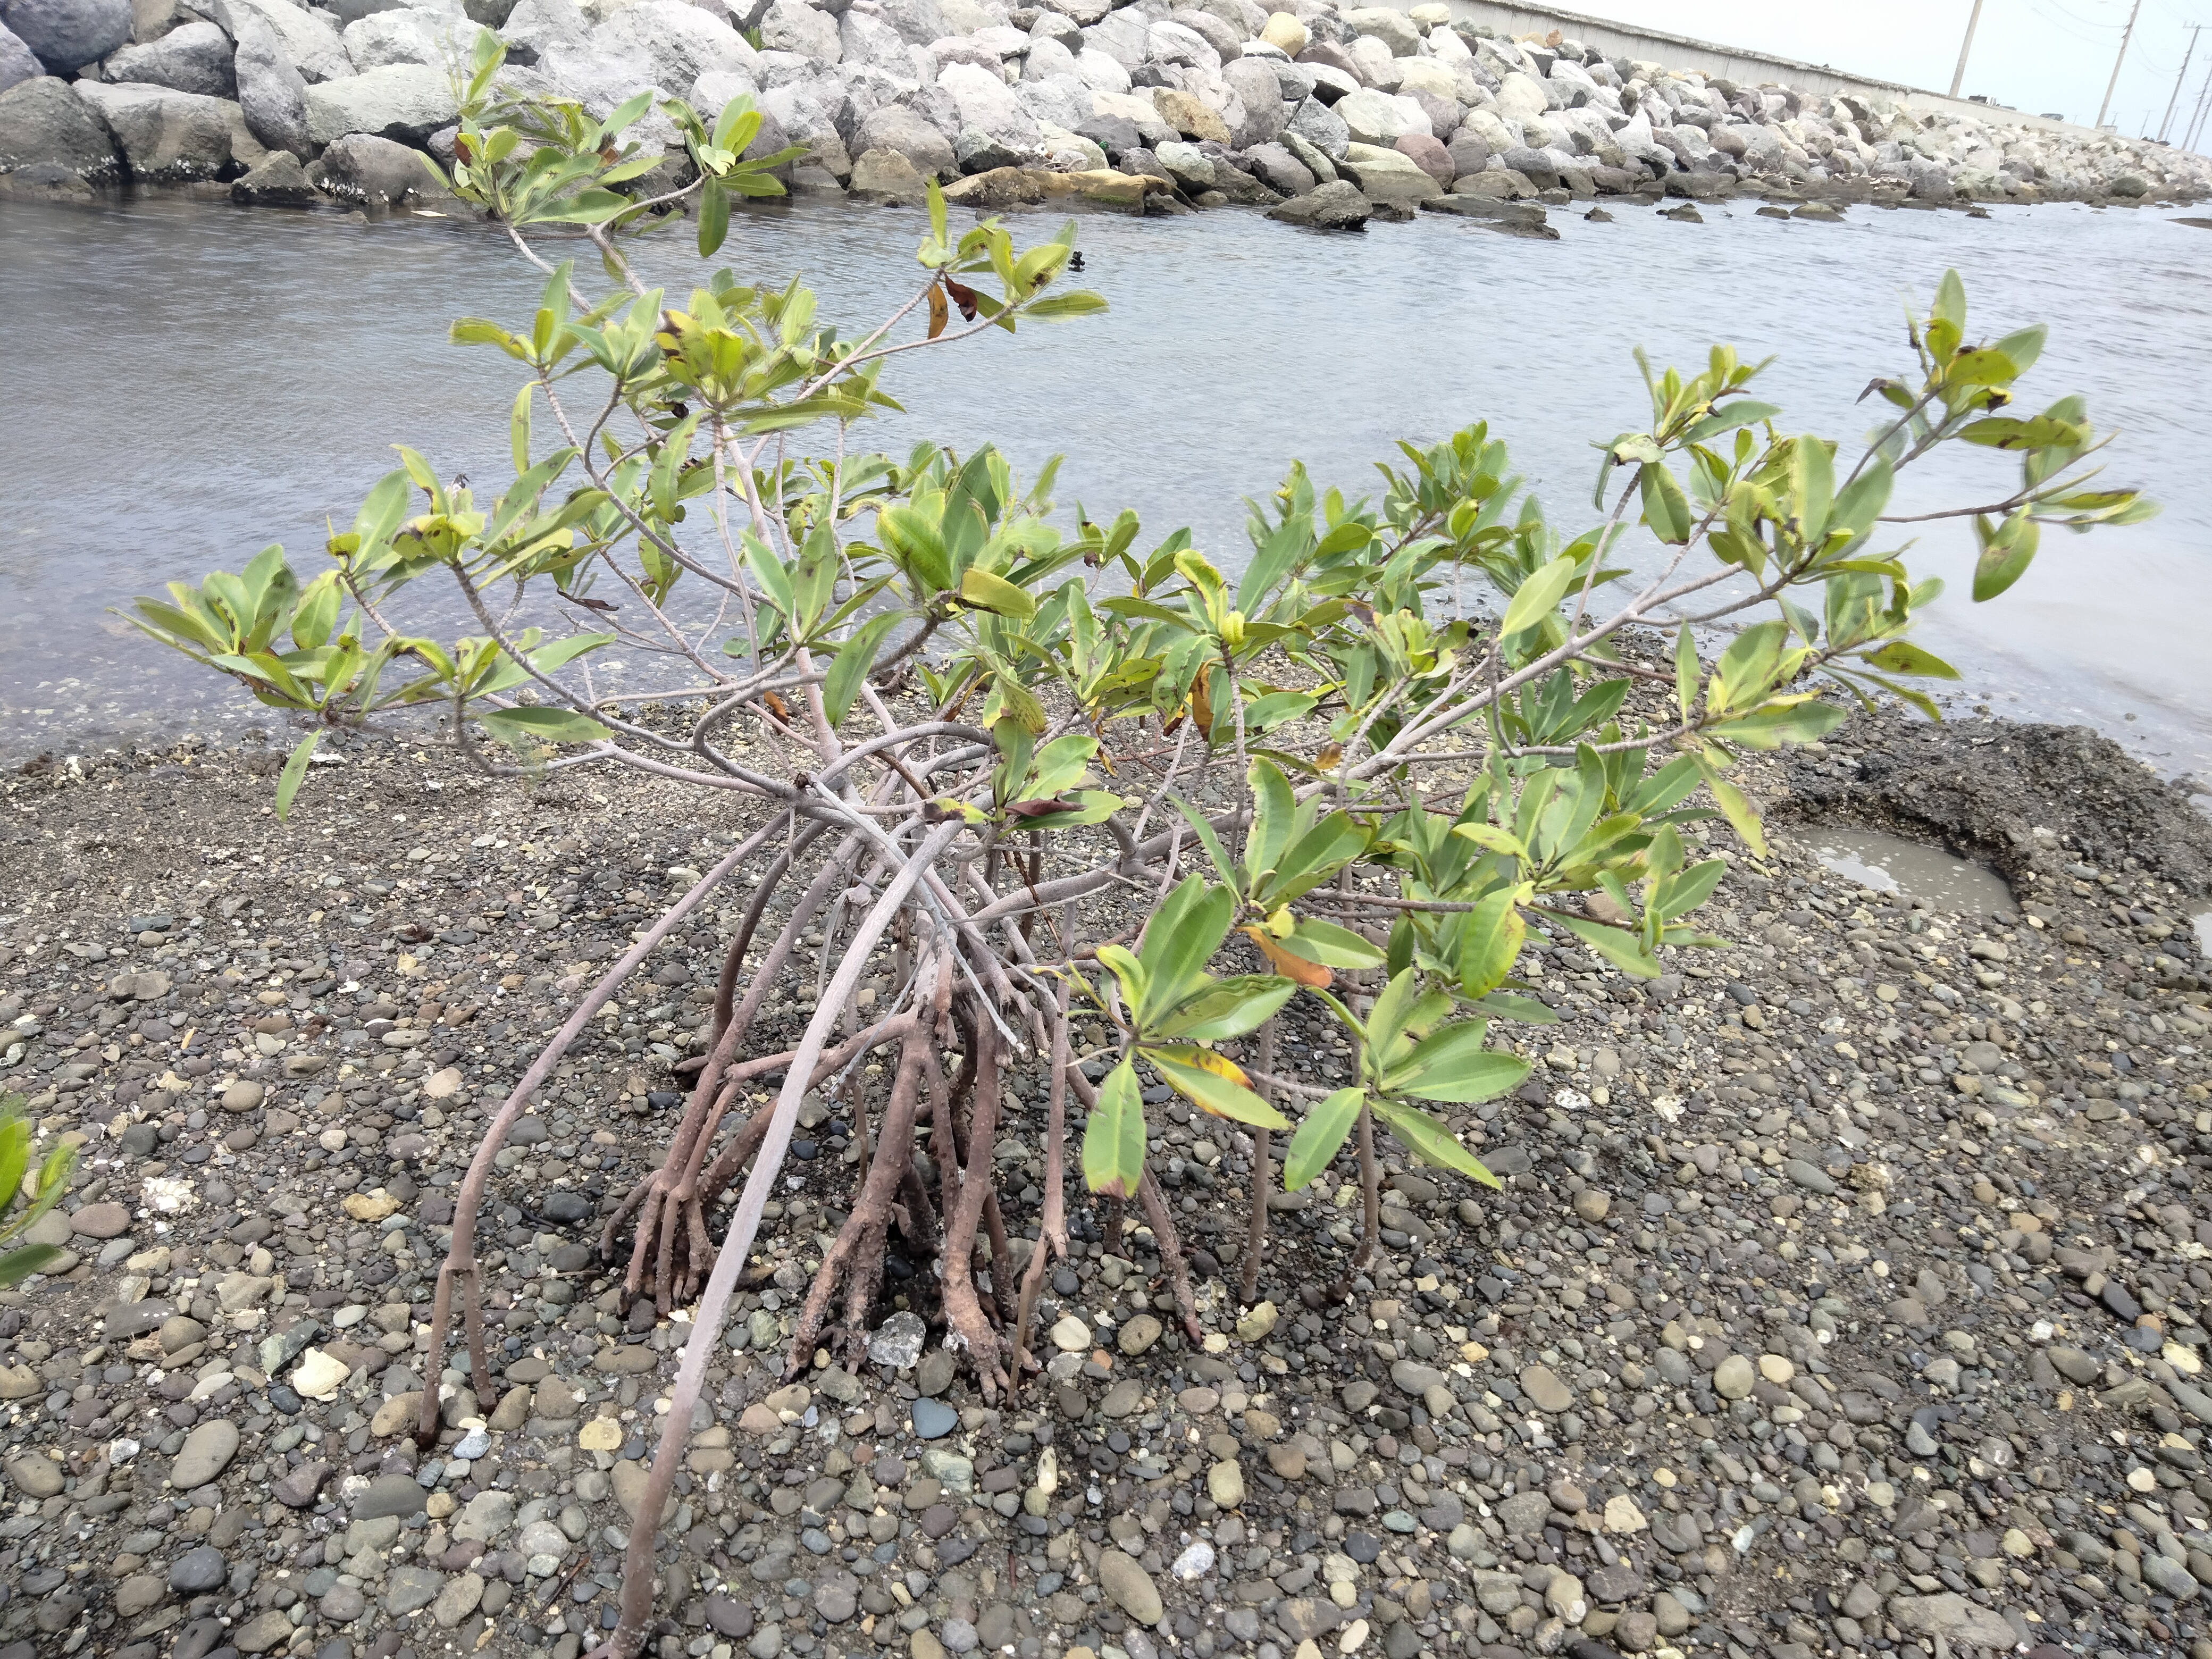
{"x": 243, "y": 1096}
{"x": 1775, "y": 1368}
{"x": 1732, "y": 1377}
{"x": 1592, "y": 1206}
{"x": 1130, "y": 1587}
{"x": 1071, "y": 1334}
{"x": 198, "y": 1570}
{"x": 109, "y": 1220}
{"x": 1225, "y": 1484}
{"x": 206, "y": 1454}
{"x": 1139, "y": 1335}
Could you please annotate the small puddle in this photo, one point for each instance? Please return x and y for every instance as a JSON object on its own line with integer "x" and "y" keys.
{"x": 1891, "y": 864}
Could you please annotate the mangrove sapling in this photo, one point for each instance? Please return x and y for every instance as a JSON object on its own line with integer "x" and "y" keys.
{"x": 1000, "y": 774}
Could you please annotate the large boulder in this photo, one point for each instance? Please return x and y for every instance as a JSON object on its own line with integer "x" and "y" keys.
{"x": 919, "y": 21}
{"x": 1321, "y": 127}
{"x": 884, "y": 175}
{"x": 410, "y": 34}
{"x": 864, "y": 40}
{"x": 988, "y": 107}
{"x": 1392, "y": 28}
{"x": 1337, "y": 205}
{"x": 196, "y": 57}
{"x": 1377, "y": 118}
{"x": 67, "y": 34}
{"x": 376, "y": 172}
{"x": 18, "y": 62}
{"x": 279, "y": 181}
{"x": 309, "y": 40}
{"x": 794, "y": 26}
{"x": 272, "y": 95}
{"x": 1385, "y": 175}
{"x": 534, "y": 27}
{"x": 1274, "y": 167}
{"x": 900, "y": 131}
{"x": 404, "y": 102}
{"x": 1266, "y": 114}
{"x": 1100, "y": 71}
{"x": 44, "y": 124}
{"x": 663, "y": 44}
{"x": 1060, "y": 101}
{"x": 168, "y": 136}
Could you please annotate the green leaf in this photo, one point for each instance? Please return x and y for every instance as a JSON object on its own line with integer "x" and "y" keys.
{"x": 1274, "y": 807}
{"x": 1742, "y": 411}
{"x": 1331, "y": 947}
{"x": 1431, "y": 1142}
{"x": 1737, "y": 807}
{"x": 986, "y": 591}
{"x": 1666, "y": 509}
{"x": 1813, "y": 482}
{"x": 542, "y": 724}
{"x": 1320, "y": 1137}
{"x": 1113, "y": 1137}
{"x": 1903, "y": 657}
{"x": 295, "y": 767}
{"x": 18, "y": 1265}
{"x": 1180, "y": 940}
{"x": 851, "y": 665}
{"x": 1490, "y": 941}
{"x": 1313, "y": 858}
{"x": 713, "y": 217}
{"x": 1491, "y": 838}
{"x": 1522, "y": 1010}
{"x": 1686, "y": 671}
{"x": 1780, "y": 724}
{"x": 1214, "y": 851}
{"x": 1453, "y": 1066}
{"x": 1228, "y": 1008}
{"x": 1538, "y": 595}
{"x": 2007, "y": 552}
{"x": 1214, "y": 1085}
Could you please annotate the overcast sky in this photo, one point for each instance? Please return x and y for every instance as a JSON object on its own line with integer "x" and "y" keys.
{"x": 2048, "y": 56}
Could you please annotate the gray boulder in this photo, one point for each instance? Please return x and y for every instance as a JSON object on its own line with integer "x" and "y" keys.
{"x": 1321, "y": 127}
{"x": 794, "y": 26}
{"x": 410, "y": 35}
{"x": 1392, "y": 28}
{"x": 871, "y": 41}
{"x": 1190, "y": 167}
{"x": 405, "y": 102}
{"x": 309, "y": 40}
{"x": 168, "y": 136}
{"x": 899, "y": 129}
{"x": 349, "y": 12}
{"x": 490, "y": 13}
{"x": 280, "y": 181}
{"x": 1308, "y": 156}
{"x": 917, "y": 21}
{"x": 1334, "y": 206}
{"x": 18, "y": 62}
{"x": 1469, "y": 151}
{"x": 43, "y": 123}
{"x": 1253, "y": 80}
{"x": 196, "y": 57}
{"x": 272, "y": 96}
{"x": 1280, "y": 171}
{"x": 67, "y": 34}
{"x": 376, "y": 172}
{"x": 884, "y": 175}
{"x": 534, "y": 27}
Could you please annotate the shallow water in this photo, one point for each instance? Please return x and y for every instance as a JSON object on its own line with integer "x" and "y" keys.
{"x": 1891, "y": 864}
{"x": 184, "y": 383}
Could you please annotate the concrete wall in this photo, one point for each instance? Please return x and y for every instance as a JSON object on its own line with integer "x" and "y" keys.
{"x": 1679, "y": 51}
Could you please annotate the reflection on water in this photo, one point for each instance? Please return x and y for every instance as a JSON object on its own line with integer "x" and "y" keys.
{"x": 186, "y": 383}
{"x": 1891, "y": 864}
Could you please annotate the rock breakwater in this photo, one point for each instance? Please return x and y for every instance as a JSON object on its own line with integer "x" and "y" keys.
{"x": 1329, "y": 113}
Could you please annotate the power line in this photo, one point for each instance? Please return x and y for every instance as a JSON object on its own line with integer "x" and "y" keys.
{"x": 2197, "y": 118}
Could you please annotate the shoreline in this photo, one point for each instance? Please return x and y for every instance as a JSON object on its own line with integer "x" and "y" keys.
{"x": 1873, "y": 1247}
{"x": 1324, "y": 115}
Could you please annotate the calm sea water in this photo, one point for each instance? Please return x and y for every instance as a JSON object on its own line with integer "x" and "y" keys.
{"x": 182, "y": 383}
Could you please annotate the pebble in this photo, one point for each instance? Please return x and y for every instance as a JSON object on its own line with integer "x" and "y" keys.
{"x": 897, "y": 1341}
{"x": 933, "y": 1420}
{"x": 206, "y": 1453}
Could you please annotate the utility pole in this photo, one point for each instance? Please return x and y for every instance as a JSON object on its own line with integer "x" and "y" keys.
{"x": 2126, "y": 35}
{"x": 1959, "y": 75}
{"x": 2196, "y": 116}
{"x": 2178, "y": 80}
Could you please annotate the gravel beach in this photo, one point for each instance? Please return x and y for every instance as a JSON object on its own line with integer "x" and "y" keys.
{"x": 1843, "y": 1295}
